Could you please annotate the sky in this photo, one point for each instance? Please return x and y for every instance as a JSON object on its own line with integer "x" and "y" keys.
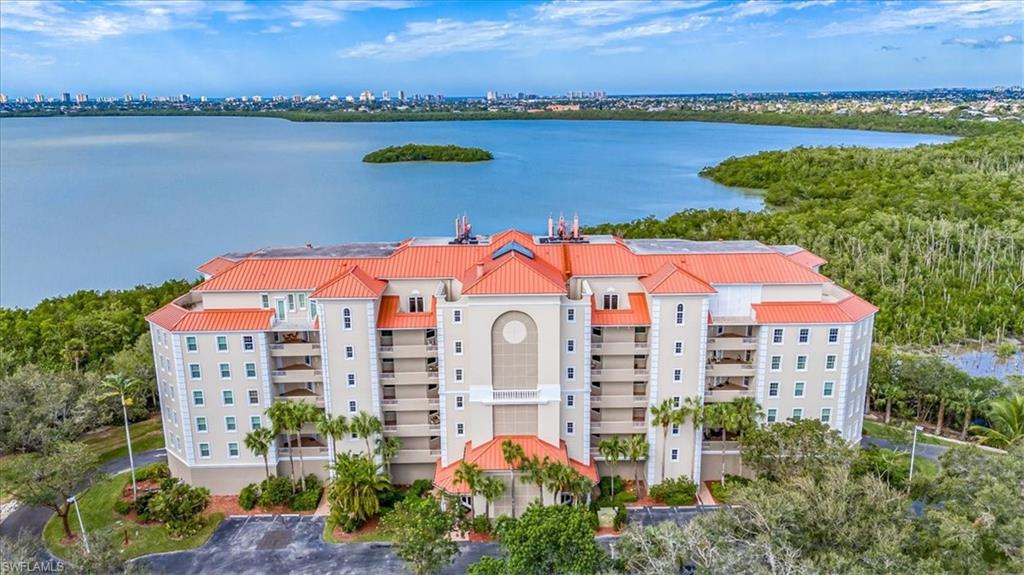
{"x": 224, "y": 48}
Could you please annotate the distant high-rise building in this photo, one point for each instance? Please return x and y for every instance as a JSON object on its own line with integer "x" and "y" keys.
{"x": 65, "y": 97}
{"x": 184, "y": 98}
{"x": 3, "y": 98}
{"x": 401, "y": 95}
{"x": 492, "y": 95}
{"x": 386, "y": 96}
{"x": 127, "y": 97}
{"x": 40, "y": 98}
{"x": 257, "y": 99}
{"x": 203, "y": 99}
{"x": 143, "y": 98}
{"x": 81, "y": 98}
{"x": 366, "y": 96}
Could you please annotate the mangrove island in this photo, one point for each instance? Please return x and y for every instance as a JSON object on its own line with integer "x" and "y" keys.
{"x": 427, "y": 153}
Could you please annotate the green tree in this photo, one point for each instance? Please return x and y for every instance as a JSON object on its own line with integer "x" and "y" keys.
{"x": 332, "y": 428}
{"x": 470, "y": 475}
{"x": 535, "y": 471}
{"x": 258, "y": 441}
{"x": 513, "y": 455}
{"x": 664, "y": 416}
{"x": 356, "y": 488}
{"x": 789, "y": 449}
{"x": 971, "y": 398}
{"x": 125, "y": 389}
{"x": 636, "y": 451}
{"x": 49, "y": 480}
{"x": 38, "y": 408}
{"x": 283, "y": 419}
{"x": 421, "y": 535}
{"x": 1006, "y": 416}
{"x": 491, "y": 488}
{"x": 366, "y": 427}
{"x": 180, "y": 506}
{"x": 303, "y": 413}
{"x": 612, "y": 449}
{"x": 387, "y": 448}
{"x": 746, "y": 412}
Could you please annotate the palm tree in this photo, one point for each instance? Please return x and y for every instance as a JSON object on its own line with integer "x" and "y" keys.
{"x": 491, "y": 488}
{"x": 889, "y": 392}
{"x": 612, "y": 450}
{"x": 557, "y": 477}
{"x": 535, "y": 471}
{"x": 332, "y": 428}
{"x": 581, "y": 487}
{"x": 125, "y": 389}
{"x": 303, "y": 413}
{"x": 258, "y": 441}
{"x": 388, "y": 448}
{"x": 75, "y": 350}
{"x": 470, "y": 475}
{"x": 282, "y": 420}
{"x": 664, "y": 415}
{"x": 356, "y": 487}
{"x": 747, "y": 412}
{"x": 1007, "y": 419}
{"x": 636, "y": 450}
{"x": 971, "y": 397}
{"x": 513, "y": 453}
{"x": 366, "y": 426}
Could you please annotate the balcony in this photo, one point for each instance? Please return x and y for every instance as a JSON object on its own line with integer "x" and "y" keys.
{"x": 729, "y": 368}
{"x": 542, "y": 394}
{"x": 621, "y": 427}
{"x": 712, "y": 446}
{"x": 611, "y": 401}
{"x": 296, "y": 374}
{"x": 410, "y": 403}
{"x": 417, "y": 456}
{"x": 412, "y": 429}
{"x": 408, "y": 377}
{"x": 296, "y": 349}
{"x": 307, "y": 446}
{"x": 619, "y": 347}
{"x": 409, "y": 350}
{"x": 729, "y": 342}
{"x": 302, "y": 395}
{"x": 618, "y": 374}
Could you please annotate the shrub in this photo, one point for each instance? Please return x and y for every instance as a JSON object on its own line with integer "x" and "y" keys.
{"x": 624, "y": 497}
{"x": 142, "y": 506}
{"x": 349, "y": 523}
{"x": 607, "y": 482}
{"x": 275, "y": 491}
{"x": 723, "y": 493}
{"x": 482, "y": 525}
{"x": 155, "y": 471}
{"x": 122, "y": 507}
{"x": 313, "y": 480}
{"x": 179, "y": 505}
{"x": 420, "y": 487}
{"x": 502, "y": 524}
{"x": 678, "y": 491}
{"x": 308, "y": 499}
{"x": 621, "y": 517}
{"x": 389, "y": 497}
{"x": 249, "y": 496}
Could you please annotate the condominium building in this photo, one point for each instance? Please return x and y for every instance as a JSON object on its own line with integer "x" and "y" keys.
{"x": 555, "y": 341}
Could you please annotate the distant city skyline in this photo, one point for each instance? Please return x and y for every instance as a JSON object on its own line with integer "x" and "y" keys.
{"x": 223, "y": 48}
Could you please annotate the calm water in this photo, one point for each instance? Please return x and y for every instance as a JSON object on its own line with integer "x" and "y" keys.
{"x": 113, "y": 202}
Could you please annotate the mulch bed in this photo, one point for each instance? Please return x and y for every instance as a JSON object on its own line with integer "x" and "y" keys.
{"x": 145, "y": 486}
{"x": 371, "y": 525}
{"x": 475, "y": 537}
{"x": 228, "y": 505}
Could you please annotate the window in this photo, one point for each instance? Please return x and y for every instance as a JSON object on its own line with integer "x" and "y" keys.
{"x": 677, "y": 375}
{"x": 570, "y": 373}
{"x": 570, "y": 315}
{"x": 279, "y": 309}
{"x": 826, "y": 414}
{"x": 772, "y": 415}
{"x": 805, "y": 335}
{"x": 291, "y": 302}
{"x": 198, "y": 399}
{"x": 350, "y": 352}
{"x": 457, "y": 316}
{"x": 233, "y": 449}
{"x": 833, "y": 335}
{"x": 570, "y": 427}
{"x": 830, "y": 362}
{"x": 313, "y": 310}
{"x": 254, "y": 397}
{"x": 228, "y": 397}
{"x": 776, "y": 362}
{"x": 773, "y": 389}
{"x": 801, "y": 363}
{"x": 828, "y": 388}
{"x": 460, "y": 429}
{"x": 675, "y": 429}
{"x": 194, "y": 372}
{"x": 302, "y": 301}
{"x": 611, "y": 301}
{"x": 677, "y": 348}
{"x": 674, "y": 455}
{"x": 222, "y": 343}
{"x": 458, "y": 347}
{"x": 676, "y": 401}
{"x": 352, "y": 407}
{"x": 458, "y": 374}
{"x": 416, "y": 303}
{"x": 201, "y": 425}
{"x": 248, "y": 344}
{"x": 570, "y": 400}
{"x": 255, "y": 422}
{"x": 191, "y": 344}
{"x": 680, "y": 314}
{"x": 350, "y": 379}
{"x": 225, "y": 371}
{"x": 264, "y": 300}
{"x": 570, "y": 346}
{"x": 204, "y": 450}
{"x": 777, "y": 334}
{"x": 798, "y": 414}
{"x": 250, "y": 370}
{"x": 230, "y": 424}
{"x": 460, "y": 402}
{"x": 798, "y": 389}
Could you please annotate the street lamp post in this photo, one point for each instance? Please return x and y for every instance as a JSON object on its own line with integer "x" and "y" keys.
{"x": 81, "y": 524}
{"x": 913, "y": 452}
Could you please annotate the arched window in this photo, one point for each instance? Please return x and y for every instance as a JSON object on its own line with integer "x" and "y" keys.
{"x": 346, "y": 318}
{"x": 680, "y": 314}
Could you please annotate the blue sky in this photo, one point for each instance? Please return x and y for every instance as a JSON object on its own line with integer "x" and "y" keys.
{"x": 222, "y": 47}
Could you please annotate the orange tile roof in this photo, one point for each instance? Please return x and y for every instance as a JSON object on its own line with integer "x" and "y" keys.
{"x": 512, "y": 273}
{"x": 353, "y": 283}
{"x": 637, "y": 314}
{"x": 489, "y": 457}
{"x": 849, "y": 310}
{"x": 391, "y": 315}
{"x": 807, "y": 259}
{"x": 670, "y": 279}
{"x": 275, "y": 275}
{"x": 216, "y": 266}
{"x": 175, "y": 318}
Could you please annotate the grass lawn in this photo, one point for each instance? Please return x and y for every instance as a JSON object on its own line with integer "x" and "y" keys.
{"x": 374, "y": 536}
{"x": 925, "y": 467}
{"x": 6, "y": 462}
{"x": 98, "y": 513}
{"x": 108, "y": 443}
{"x": 898, "y": 435}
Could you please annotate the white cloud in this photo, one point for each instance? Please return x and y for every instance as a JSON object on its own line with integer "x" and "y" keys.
{"x": 983, "y": 44}
{"x": 957, "y": 14}
{"x": 752, "y": 8}
{"x": 30, "y": 59}
{"x": 603, "y": 13}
